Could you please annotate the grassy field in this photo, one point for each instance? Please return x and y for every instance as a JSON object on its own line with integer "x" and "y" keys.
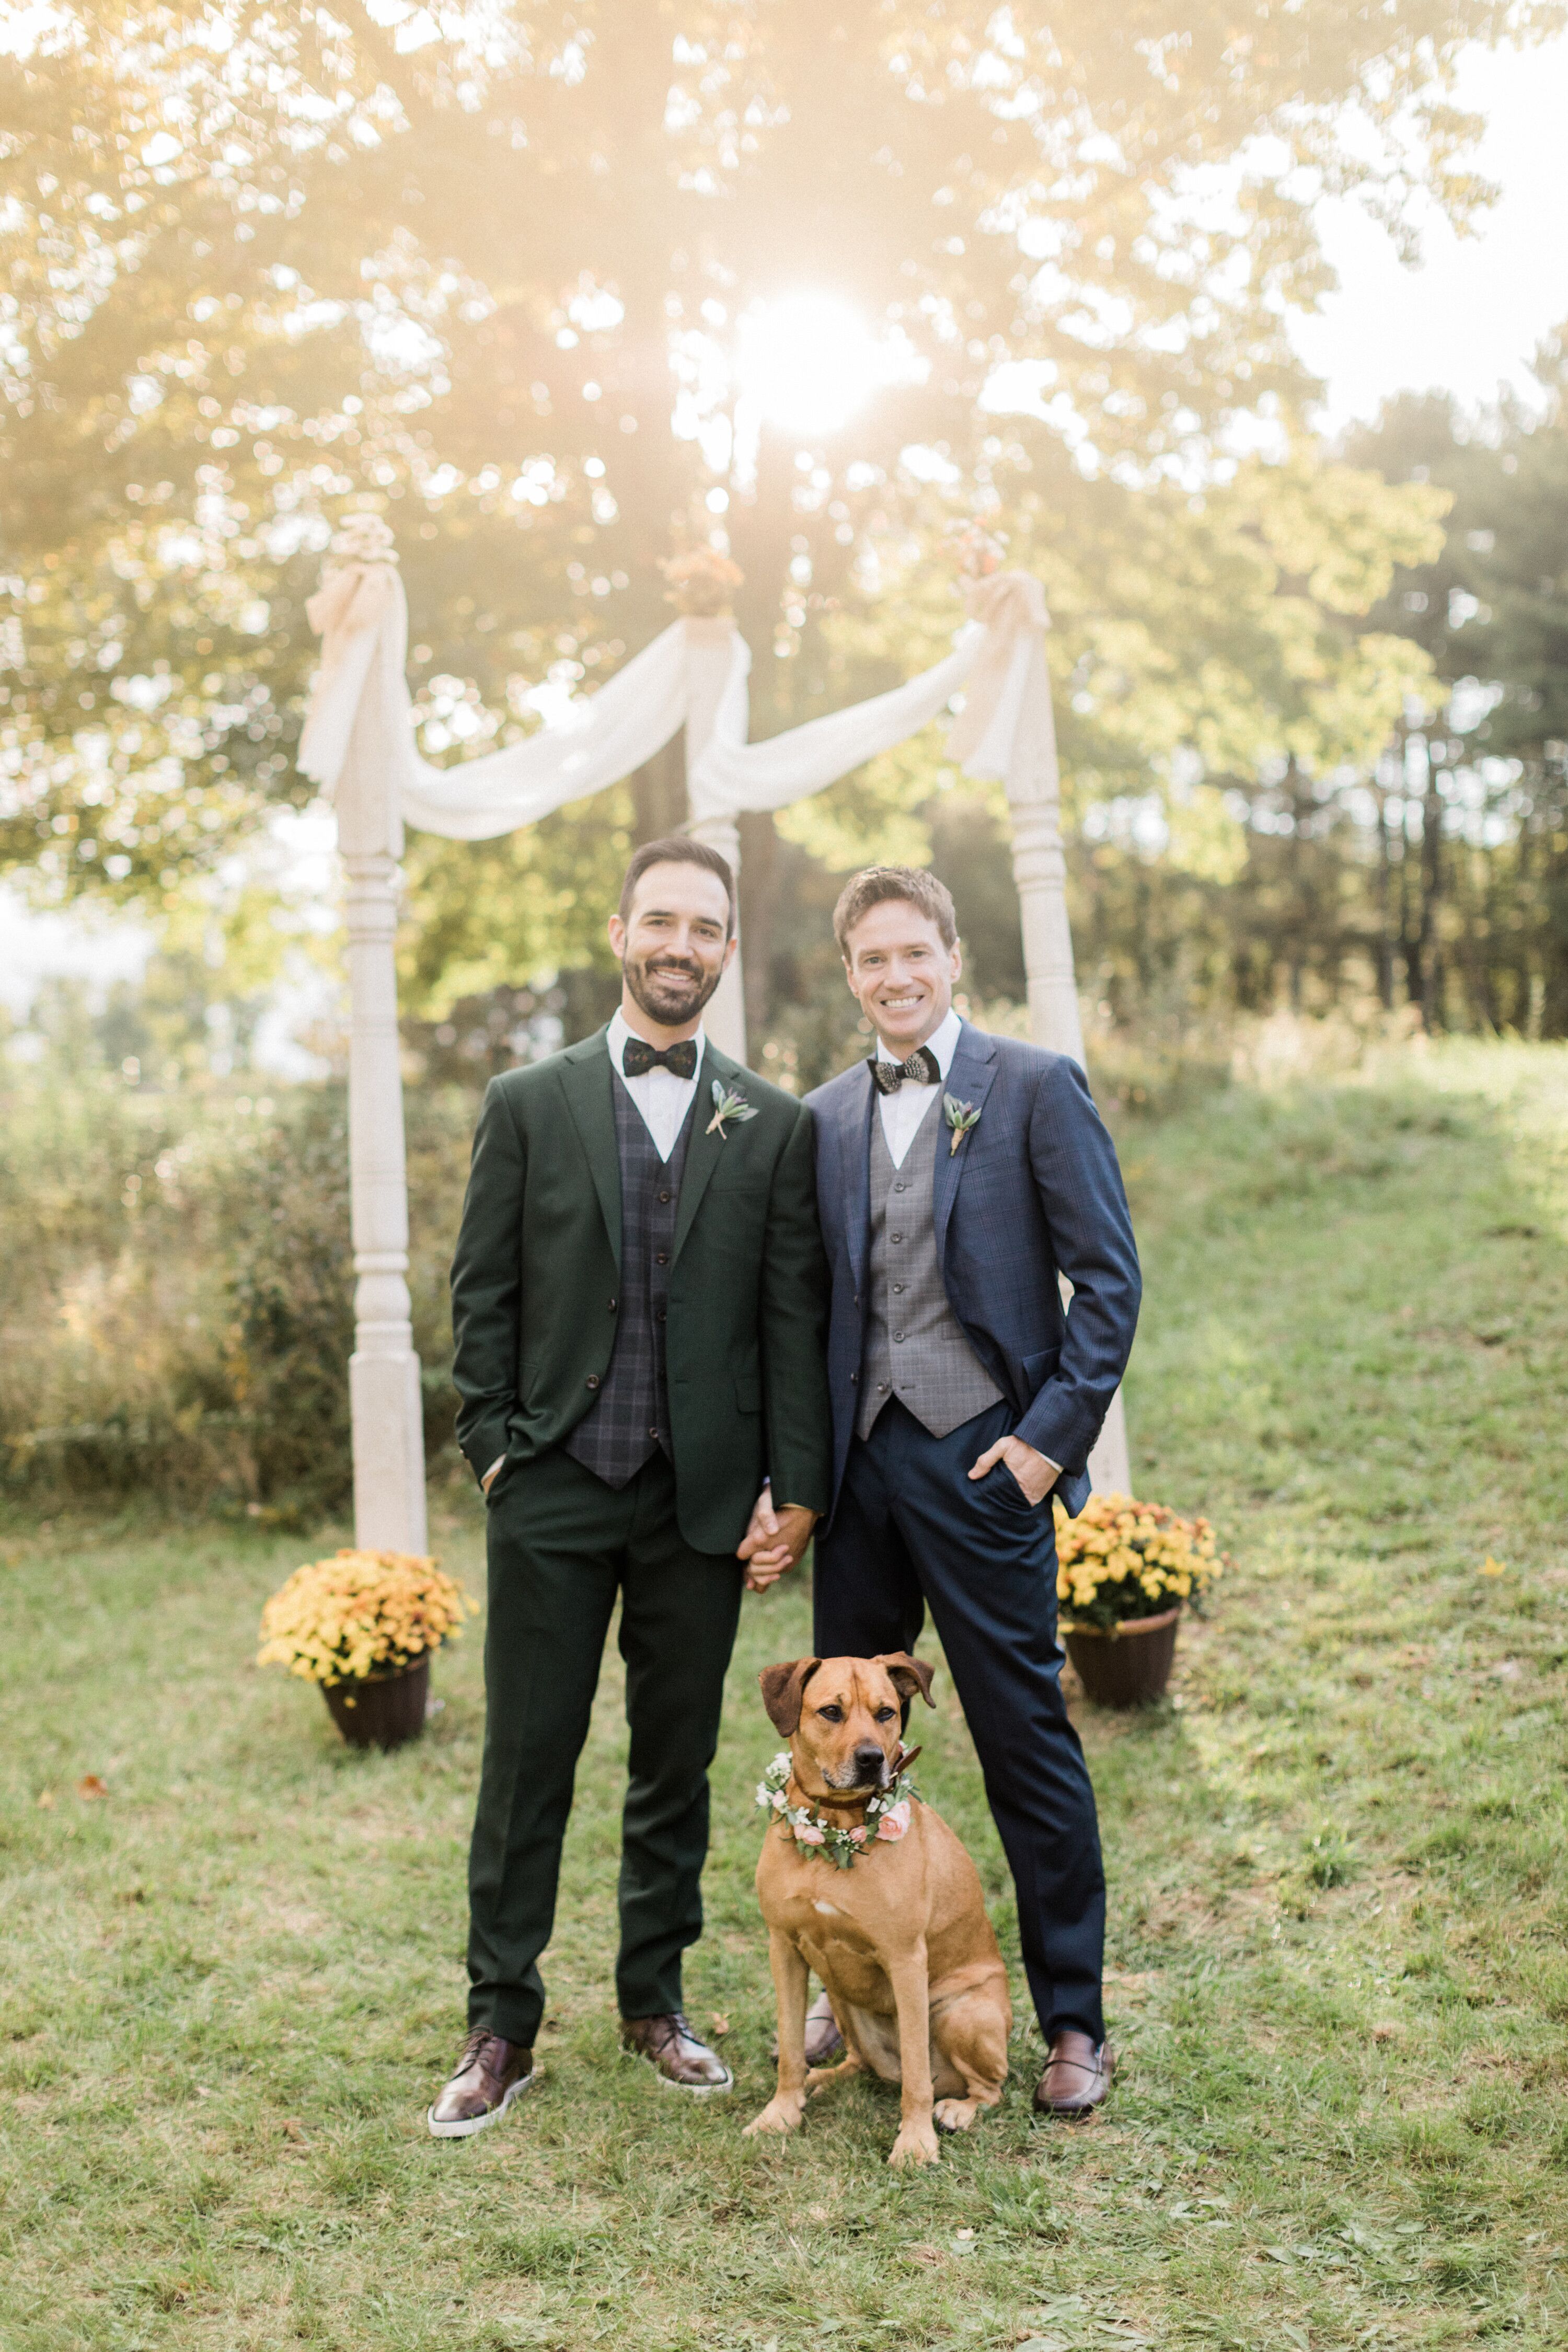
{"x": 1339, "y": 1886}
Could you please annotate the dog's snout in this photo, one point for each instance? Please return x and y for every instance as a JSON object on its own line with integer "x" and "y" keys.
{"x": 870, "y": 1761}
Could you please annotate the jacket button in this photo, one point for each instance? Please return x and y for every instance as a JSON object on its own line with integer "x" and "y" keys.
{"x": 592, "y": 1381}
{"x": 612, "y": 1306}
{"x": 854, "y": 1377}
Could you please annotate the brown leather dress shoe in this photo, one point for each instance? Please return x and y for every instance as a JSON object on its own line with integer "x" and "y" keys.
{"x": 1077, "y": 2077}
{"x": 680, "y": 2060}
{"x": 823, "y": 2042}
{"x": 489, "y": 2077}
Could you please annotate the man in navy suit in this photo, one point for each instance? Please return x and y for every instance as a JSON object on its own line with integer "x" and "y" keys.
{"x": 958, "y": 1176}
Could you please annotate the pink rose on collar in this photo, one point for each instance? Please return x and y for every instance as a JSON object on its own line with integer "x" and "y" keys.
{"x": 858, "y": 1834}
{"x": 808, "y": 1833}
{"x": 895, "y": 1820}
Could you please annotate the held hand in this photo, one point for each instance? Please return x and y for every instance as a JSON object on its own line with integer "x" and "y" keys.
{"x": 774, "y": 1541}
{"x": 1034, "y": 1474}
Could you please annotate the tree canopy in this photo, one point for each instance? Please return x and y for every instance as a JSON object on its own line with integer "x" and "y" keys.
{"x": 498, "y": 272}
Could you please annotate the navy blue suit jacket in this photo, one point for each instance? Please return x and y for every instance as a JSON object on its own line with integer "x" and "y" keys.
{"x": 1033, "y": 1192}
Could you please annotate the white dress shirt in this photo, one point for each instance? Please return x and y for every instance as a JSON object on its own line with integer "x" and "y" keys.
{"x": 662, "y": 1098}
{"x": 903, "y": 1112}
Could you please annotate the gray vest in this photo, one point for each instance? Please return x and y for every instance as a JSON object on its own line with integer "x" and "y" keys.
{"x": 915, "y": 1347}
{"x": 629, "y": 1421}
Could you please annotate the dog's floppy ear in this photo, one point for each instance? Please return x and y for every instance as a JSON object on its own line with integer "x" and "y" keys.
{"x": 781, "y": 1688}
{"x": 907, "y": 1674}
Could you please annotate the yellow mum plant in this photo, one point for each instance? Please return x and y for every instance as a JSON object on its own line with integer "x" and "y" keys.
{"x": 1120, "y": 1559}
{"x": 360, "y": 1614}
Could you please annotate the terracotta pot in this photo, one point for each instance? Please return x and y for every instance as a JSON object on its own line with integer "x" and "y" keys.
{"x": 1129, "y": 1667}
{"x": 384, "y": 1711}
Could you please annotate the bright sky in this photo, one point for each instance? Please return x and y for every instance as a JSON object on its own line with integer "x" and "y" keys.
{"x": 1469, "y": 318}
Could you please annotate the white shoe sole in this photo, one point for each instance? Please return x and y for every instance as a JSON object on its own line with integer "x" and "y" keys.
{"x": 466, "y": 2128}
{"x": 699, "y": 2090}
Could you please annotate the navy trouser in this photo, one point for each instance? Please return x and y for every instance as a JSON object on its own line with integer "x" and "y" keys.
{"x": 910, "y": 1531}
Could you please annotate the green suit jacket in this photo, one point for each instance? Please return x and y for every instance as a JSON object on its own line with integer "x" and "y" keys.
{"x": 535, "y": 1283}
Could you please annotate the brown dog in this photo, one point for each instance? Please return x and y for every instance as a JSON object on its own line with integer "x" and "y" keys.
{"x": 900, "y": 1939}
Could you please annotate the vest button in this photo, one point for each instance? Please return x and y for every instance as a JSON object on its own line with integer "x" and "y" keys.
{"x": 592, "y": 1381}
{"x": 898, "y": 1334}
{"x": 898, "y": 1289}
{"x": 901, "y": 1188}
{"x": 895, "y": 1238}
{"x": 653, "y": 1433}
{"x": 661, "y": 1257}
{"x": 664, "y": 1196}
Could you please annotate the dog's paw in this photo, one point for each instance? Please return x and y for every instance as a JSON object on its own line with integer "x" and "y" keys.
{"x": 954, "y": 2114}
{"x": 778, "y": 2116}
{"x": 916, "y": 2144}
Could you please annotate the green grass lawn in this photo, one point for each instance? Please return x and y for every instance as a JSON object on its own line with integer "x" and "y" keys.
{"x": 1339, "y": 1889}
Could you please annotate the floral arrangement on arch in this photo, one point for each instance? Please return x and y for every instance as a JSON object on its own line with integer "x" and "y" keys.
{"x": 1121, "y": 1559}
{"x": 361, "y": 1615}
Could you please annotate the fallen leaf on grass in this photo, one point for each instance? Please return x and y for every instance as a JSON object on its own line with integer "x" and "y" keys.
{"x": 1383, "y": 2033}
{"x": 1491, "y": 1566}
{"x": 931, "y": 2256}
{"x": 294, "y": 2129}
{"x": 45, "y": 1800}
{"x": 90, "y": 1786}
{"x": 720, "y": 2026}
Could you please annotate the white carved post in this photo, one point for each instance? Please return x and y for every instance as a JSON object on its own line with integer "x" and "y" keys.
{"x": 383, "y": 1371}
{"x": 1040, "y": 869}
{"x": 709, "y": 643}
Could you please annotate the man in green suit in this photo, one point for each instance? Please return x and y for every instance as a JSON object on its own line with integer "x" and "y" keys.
{"x": 639, "y": 1306}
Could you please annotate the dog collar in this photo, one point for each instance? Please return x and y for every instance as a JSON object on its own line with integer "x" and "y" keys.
{"x": 886, "y": 1814}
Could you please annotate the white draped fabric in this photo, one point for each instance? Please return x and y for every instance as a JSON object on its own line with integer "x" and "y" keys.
{"x": 363, "y": 617}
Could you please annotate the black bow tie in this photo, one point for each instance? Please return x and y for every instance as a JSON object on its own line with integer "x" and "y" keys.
{"x": 922, "y": 1067}
{"x": 638, "y": 1057}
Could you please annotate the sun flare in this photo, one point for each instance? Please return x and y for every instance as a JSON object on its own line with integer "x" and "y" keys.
{"x": 809, "y": 361}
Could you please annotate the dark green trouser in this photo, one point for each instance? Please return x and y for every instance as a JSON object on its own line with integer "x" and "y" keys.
{"x": 561, "y": 1543}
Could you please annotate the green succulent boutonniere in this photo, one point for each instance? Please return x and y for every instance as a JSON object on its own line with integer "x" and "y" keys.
{"x": 728, "y": 1103}
{"x": 961, "y": 1117}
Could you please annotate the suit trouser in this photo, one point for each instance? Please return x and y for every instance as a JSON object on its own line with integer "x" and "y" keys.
{"x": 562, "y": 1544}
{"x": 907, "y": 1530}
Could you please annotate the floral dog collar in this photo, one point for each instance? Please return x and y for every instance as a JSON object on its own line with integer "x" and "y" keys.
{"x": 887, "y": 1816}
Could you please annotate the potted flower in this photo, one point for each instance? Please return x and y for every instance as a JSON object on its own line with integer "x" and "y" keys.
{"x": 1123, "y": 1570}
{"x": 362, "y": 1625}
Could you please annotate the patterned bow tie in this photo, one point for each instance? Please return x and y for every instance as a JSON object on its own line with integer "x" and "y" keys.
{"x": 922, "y": 1067}
{"x": 638, "y": 1057}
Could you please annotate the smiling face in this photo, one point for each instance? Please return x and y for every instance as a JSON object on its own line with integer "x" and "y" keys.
{"x": 672, "y": 949}
{"x": 850, "y": 1727}
{"x": 900, "y": 972}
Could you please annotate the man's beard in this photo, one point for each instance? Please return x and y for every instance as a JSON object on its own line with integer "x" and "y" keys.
{"x": 671, "y": 996}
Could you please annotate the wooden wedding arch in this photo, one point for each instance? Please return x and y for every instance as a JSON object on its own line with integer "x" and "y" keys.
{"x": 359, "y": 745}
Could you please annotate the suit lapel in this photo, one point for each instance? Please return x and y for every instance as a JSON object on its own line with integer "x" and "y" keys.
{"x": 585, "y": 1080}
{"x": 703, "y": 1151}
{"x": 855, "y": 1155}
{"x": 969, "y": 1077}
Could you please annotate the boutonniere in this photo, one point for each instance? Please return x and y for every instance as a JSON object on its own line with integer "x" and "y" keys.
{"x": 728, "y": 1103}
{"x": 961, "y": 1117}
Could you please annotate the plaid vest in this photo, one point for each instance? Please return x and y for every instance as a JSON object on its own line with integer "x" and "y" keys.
{"x": 915, "y": 1345}
{"x": 629, "y": 1421}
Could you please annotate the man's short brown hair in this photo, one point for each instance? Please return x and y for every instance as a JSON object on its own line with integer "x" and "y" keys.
{"x": 874, "y": 884}
{"x": 676, "y": 849}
